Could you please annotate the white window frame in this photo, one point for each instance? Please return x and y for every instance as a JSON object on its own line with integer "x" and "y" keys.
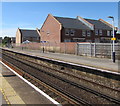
{"x": 100, "y": 32}
{"x": 67, "y": 32}
{"x": 108, "y": 33}
{"x": 111, "y": 33}
{"x": 96, "y": 32}
{"x": 88, "y": 33}
{"x": 83, "y": 33}
{"x": 72, "y": 32}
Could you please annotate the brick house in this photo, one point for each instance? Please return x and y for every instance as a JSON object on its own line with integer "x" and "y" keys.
{"x": 30, "y": 35}
{"x": 118, "y": 37}
{"x": 61, "y": 29}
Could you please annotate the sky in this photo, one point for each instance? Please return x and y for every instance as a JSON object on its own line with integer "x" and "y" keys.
{"x": 119, "y": 16}
{"x": 31, "y": 15}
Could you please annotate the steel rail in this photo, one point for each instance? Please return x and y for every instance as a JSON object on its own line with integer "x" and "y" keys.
{"x": 79, "y": 86}
{"x": 75, "y": 98}
{"x": 117, "y": 90}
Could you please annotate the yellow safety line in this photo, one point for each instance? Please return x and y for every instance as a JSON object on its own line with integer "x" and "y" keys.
{"x": 8, "y": 96}
{"x": 6, "y": 99}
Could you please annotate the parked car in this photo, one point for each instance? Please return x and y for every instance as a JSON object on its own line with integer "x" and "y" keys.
{"x": 26, "y": 42}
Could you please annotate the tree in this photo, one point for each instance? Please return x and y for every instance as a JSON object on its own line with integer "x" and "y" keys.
{"x": 6, "y": 41}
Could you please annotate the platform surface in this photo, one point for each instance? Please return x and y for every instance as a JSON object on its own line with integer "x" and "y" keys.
{"x": 102, "y": 63}
{"x": 2, "y": 99}
{"x": 19, "y": 92}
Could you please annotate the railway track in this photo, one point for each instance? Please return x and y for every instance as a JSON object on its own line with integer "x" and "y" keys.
{"x": 35, "y": 77}
{"x": 62, "y": 85}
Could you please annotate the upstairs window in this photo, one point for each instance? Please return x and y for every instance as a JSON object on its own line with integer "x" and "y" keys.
{"x": 88, "y": 33}
{"x": 100, "y": 32}
{"x": 66, "y": 31}
{"x": 111, "y": 33}
{"x": 83, "y": 33}
{"x": 72, "y": 32}
{"x": 96, "y": 32}
{"x": 108, "y": 33}
{"x": 48, "y": 33}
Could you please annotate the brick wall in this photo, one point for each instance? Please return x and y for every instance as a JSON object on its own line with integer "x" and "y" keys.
{"x": 68, "y": 47}
{"x": 51, "y": 30}
{"x": 18, "y": 37}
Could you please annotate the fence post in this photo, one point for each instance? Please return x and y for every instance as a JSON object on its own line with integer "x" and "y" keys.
{"x": 91, "y": 49}
{"x": 94, "y": 49}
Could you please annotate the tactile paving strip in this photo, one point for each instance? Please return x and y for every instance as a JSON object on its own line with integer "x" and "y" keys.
{"x": 10, "y": 95}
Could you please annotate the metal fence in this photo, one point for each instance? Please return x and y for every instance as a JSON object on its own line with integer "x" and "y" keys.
{"x": 97, "y": 49}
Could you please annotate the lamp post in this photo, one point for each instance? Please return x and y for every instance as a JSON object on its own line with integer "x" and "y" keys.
{"x": 113, "y": 54}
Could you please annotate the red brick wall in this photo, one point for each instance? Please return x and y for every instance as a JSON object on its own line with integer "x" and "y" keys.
{"x": 77, "y": 34}
{"x": 51, "y": 30}
{"x": 68, "y": 47}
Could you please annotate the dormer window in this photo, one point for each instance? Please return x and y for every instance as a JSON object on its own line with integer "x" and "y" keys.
{"x": 66, "y": 31}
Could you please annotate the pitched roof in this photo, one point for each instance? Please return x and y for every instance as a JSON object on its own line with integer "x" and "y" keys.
{"x": 98, "y": 24}
{"x": 72, "y": 23}
{"x": 29, "y": 33}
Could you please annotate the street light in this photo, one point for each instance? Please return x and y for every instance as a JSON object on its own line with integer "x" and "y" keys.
{"x": 113, "y": 54}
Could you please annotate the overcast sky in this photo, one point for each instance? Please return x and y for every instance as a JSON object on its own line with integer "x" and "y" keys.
{"x": 31, "y": 15}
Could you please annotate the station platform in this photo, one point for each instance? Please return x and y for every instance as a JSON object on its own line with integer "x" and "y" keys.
{"x": 2, "y": 99}
{"x": 16, "y": 91}
{"x": 101, "y": 63}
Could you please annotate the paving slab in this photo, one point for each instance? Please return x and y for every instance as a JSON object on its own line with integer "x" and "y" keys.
{"x": 19, "y": 92}
{"x": 2, "y": 99}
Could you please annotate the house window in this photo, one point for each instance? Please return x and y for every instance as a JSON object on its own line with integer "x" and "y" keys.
{"x": 72, "y": 32}
{"x": 83, "y": 33}
{"x": 66, "y": 31}
{"x": 67, "y": 40}
{"x": 108, "y": 33}
{"x": 100, "y": 32}
{"x": 97, "y": 40}
{"x": 111, "y": 33}
{"x": 88, "y": 33}
{"x": 88, "y": 40}
{"x": 48, "y": 33}
{"x": 96, "y": 32}
{"x": 78, "y": 39}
